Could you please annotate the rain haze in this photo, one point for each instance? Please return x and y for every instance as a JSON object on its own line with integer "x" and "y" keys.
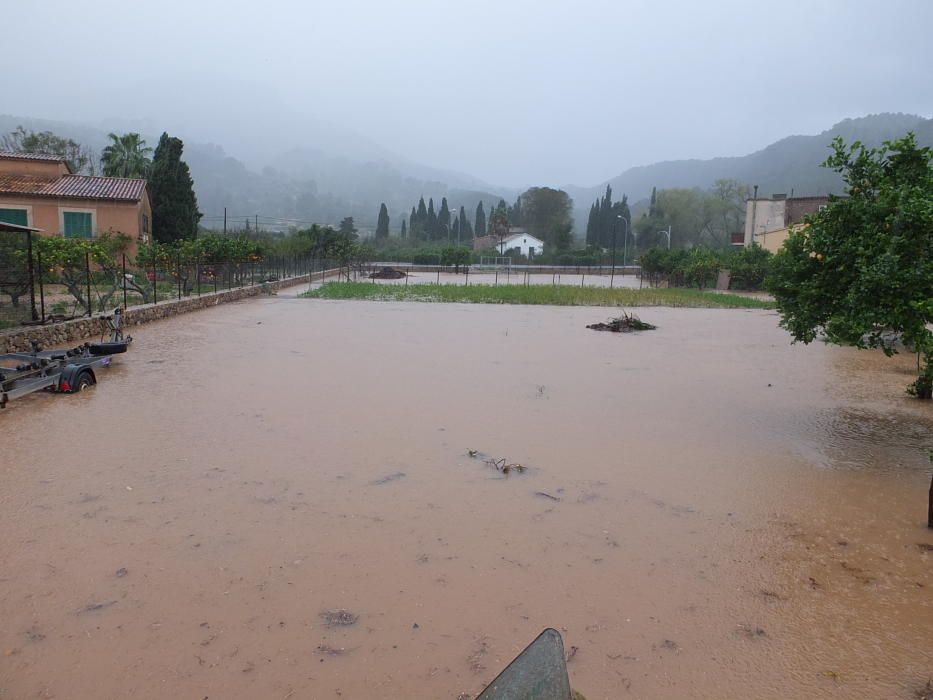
{"x": 517, "y": 93}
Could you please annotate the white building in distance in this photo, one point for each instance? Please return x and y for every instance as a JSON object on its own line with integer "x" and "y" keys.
{"x": 528, "y": 245}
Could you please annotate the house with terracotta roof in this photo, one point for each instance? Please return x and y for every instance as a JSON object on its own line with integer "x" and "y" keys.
{"x": 41, "y": 191}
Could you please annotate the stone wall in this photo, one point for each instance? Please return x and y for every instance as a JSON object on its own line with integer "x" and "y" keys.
{"x": 78, "y": 330}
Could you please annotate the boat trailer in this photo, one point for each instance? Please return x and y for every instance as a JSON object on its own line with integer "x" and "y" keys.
{"x": 61, "y": 371}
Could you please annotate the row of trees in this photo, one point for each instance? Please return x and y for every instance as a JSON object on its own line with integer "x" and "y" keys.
{"x": 695, "y": 217}
{"x": 545, "y": 212}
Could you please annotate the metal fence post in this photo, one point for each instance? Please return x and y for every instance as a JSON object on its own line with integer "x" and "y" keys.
{"x": 178, "y": 272}
{"x": 155, "y": 279}
{"x": 41, "y": 287}
{"x": 124, "y": 281}
{"x": 87, "y": 270}
{"x": 32, "y": 277}
{"x": 197, "y": 272}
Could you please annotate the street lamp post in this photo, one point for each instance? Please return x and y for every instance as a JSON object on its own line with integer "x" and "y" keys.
{"x": 625, "y": 242}
{"x": 612, "y": 272}
{"x": 668, "y": 232}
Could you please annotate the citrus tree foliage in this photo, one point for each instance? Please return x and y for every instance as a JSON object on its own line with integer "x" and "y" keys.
{"x": 69, "y": 260}
{"x": 860, "y": 272}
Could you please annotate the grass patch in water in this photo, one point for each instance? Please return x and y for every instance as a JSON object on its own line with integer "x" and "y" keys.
{"x": 559, "y": 295}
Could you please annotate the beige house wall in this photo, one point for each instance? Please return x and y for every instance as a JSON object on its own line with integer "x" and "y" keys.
{"x": 773, "y": 240}
{"x": 761, "y": 216}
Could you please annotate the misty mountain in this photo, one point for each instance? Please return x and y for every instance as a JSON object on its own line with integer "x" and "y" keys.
{"x": 789, "y": 165}
{"x": 300, "y": 185}
{"x": 337, "y": 173}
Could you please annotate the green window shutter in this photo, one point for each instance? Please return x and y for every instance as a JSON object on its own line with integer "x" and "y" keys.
{"x": 14, "y": 216}
{"x": 77, "y": 224}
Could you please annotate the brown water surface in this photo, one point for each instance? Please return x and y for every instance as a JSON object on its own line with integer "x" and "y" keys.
{"x": 737, "y": 517}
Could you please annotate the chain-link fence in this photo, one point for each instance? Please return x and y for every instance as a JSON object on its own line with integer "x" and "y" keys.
{"x": 33, "y": 291}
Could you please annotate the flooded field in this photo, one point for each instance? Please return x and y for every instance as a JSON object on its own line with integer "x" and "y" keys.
{"x": 706, "y": 510}
{"x": 600, "y": 278}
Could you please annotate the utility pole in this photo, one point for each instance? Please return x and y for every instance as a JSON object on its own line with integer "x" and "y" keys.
{"x": 257, "y": 223}
{"x": 225, "y": 221}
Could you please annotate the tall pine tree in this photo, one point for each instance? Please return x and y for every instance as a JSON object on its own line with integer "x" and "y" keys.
{"x": 175, "y": 214}
{"x": 403, "y": 233}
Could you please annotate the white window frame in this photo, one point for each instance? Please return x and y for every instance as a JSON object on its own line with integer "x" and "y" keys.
{"x": 76, "y": 210}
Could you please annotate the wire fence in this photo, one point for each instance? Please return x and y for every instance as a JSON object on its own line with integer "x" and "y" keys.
{"x": 34, "y": 291}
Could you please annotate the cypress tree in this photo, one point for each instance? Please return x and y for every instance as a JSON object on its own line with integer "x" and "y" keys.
{"x": 480, "y": 220}
{"x": 455, "y": 231}
{"x": 419, "y": 228}
{"x": 653, "y": 206}
{"x": 403, "y": 233}
{"x": 431, "y": 225}
{"x": 443, "y": 217}
{"x": 382, "y": 223}
{"x": 591, "y": 224}
{"x": 466, "y": 230}
{"x": 175, "y": 214}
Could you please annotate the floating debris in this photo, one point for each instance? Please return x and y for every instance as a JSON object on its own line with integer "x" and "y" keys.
{"x": 546, "y": 495}
{"x": 386, "y": 479}
{"x": 626, "y": 323}
{"x": 93, "y": 607}
{"x": 339, "y": 617}
{"x": 501, "y": 465}
{"x": 328, "y": 650}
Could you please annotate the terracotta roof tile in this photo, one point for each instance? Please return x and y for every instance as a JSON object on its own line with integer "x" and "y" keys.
{"x": 12, "y": 155}
{"x": 89, "y": 187}
{"x": 24, "y": 184}
{"x": 75, "y": 187}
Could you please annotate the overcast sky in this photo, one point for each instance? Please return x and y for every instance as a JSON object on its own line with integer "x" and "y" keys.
{"x": 516, "y": 92}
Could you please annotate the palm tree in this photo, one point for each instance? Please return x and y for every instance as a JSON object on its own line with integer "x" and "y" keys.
{"x": 126, "y": 156}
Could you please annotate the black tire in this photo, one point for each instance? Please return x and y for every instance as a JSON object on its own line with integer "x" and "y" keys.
{"x": 84, "y": 380}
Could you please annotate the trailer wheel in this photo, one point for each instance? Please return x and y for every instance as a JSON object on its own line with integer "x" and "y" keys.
{"x": 83, "y": 381}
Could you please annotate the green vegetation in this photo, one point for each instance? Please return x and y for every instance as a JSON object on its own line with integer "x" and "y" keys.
{"x": 861, "y": 271}
{"x": 560, "y": 295}
{"x": 699, "y": 267}
{"x": 78, "y": 157}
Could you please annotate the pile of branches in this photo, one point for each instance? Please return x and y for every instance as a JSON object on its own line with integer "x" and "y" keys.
{"x": 626, "y": 323}
{"x": 387, "y": 273}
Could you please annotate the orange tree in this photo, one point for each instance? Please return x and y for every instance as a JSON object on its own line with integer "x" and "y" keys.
{"x": 861, "y": 271}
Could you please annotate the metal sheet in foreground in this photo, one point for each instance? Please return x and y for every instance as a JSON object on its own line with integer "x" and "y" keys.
{"x": 539, "y": 673}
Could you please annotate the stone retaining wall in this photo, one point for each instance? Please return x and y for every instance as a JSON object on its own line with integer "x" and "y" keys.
{"x": 78, "y": 330}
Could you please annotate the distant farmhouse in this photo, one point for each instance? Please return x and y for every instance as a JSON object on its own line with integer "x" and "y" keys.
{"x": 41, "y": 192}
{"x": 768, "y": 220}
{"x": 519, "y": 238}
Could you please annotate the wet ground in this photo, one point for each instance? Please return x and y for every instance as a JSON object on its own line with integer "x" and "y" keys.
{"x": 725, "y": 515}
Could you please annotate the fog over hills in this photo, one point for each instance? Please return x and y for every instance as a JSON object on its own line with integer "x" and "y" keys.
{"x": 336, "y": 173}
{"x": 789, "y": 165}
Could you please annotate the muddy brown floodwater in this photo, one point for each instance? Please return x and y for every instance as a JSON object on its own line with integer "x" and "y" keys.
{"x": 275, "y": 499}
